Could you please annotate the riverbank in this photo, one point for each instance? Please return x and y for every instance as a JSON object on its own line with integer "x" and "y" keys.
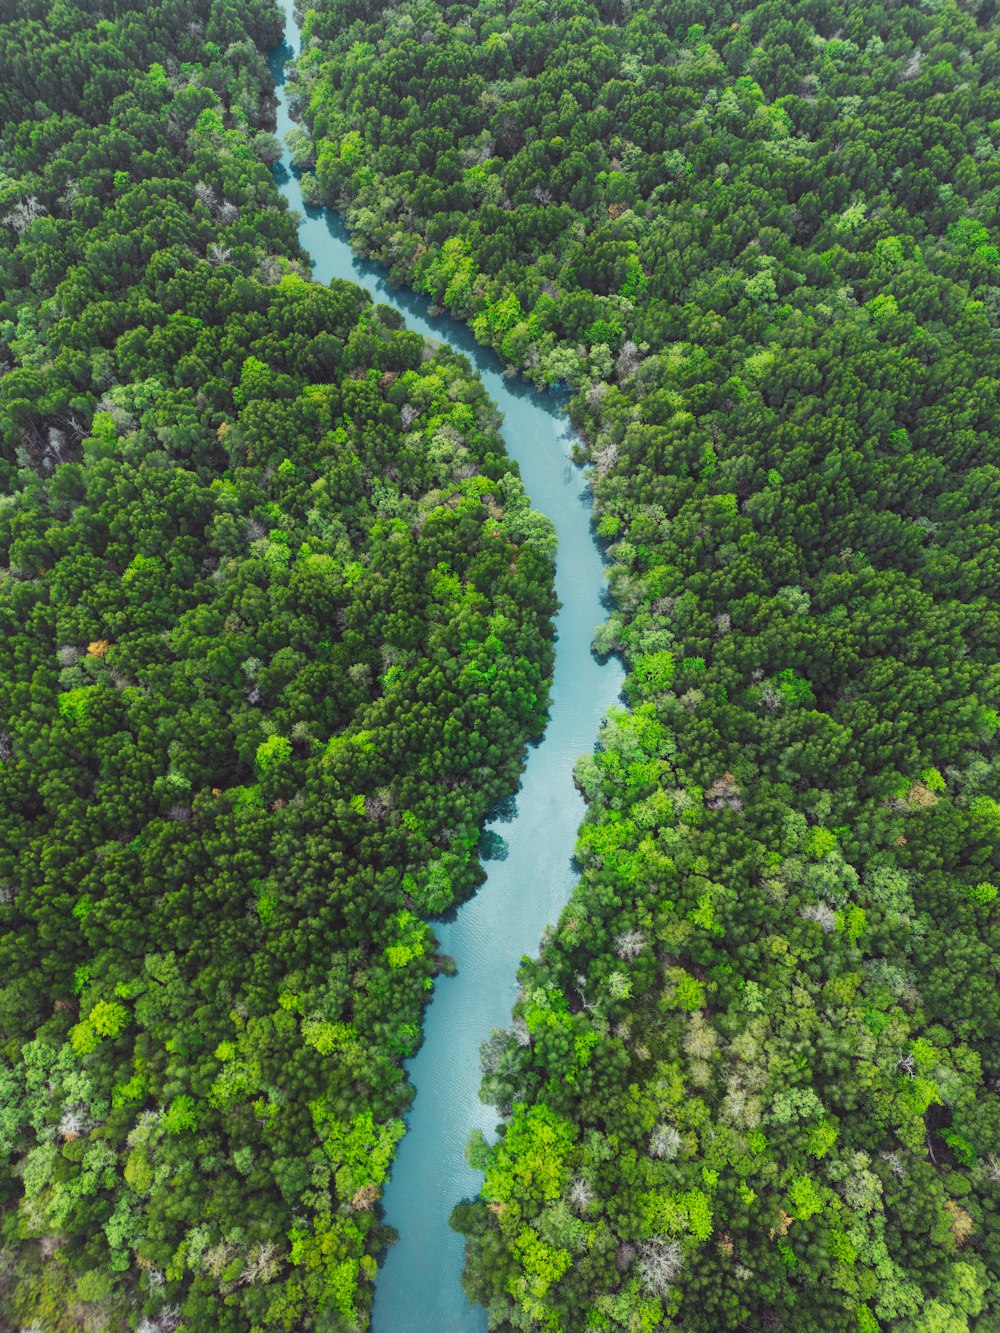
{"x": 419, "y": 1287}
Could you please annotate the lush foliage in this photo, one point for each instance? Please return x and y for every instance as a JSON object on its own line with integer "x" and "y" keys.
{"x": 752, "y": 1076}
{"x": 273, "y": 633}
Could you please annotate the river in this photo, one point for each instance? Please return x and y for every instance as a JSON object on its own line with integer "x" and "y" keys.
{"x": 418, "y": 1289}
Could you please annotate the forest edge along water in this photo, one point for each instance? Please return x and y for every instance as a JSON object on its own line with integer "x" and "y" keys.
{"x": 418, "y": 1289}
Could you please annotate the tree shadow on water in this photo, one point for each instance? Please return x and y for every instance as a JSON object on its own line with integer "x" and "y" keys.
{"x": 492, "y": 847}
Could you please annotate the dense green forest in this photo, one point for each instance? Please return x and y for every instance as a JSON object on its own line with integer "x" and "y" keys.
{"x": 274, "y": 630}
{"x": 752, "y": 1078}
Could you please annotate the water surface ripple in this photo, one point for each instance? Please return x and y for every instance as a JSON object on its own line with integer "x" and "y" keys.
{"x": 418, "y": 1289}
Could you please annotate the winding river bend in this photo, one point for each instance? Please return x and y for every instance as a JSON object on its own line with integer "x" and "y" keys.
{"x": 418, "y": 1289}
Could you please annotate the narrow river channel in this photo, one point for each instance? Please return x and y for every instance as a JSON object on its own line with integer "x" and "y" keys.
{"x": 418, "y": 1290}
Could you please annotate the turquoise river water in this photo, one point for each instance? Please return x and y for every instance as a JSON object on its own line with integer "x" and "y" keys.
{"x": 418, "y": 1289}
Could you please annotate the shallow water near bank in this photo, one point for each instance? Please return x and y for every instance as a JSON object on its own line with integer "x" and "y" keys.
{"x": 418, "y": 1289}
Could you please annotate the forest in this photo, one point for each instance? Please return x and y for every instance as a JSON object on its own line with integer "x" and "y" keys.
{"x": 275, "y": 623}
{"x": 751, "y": 1079}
